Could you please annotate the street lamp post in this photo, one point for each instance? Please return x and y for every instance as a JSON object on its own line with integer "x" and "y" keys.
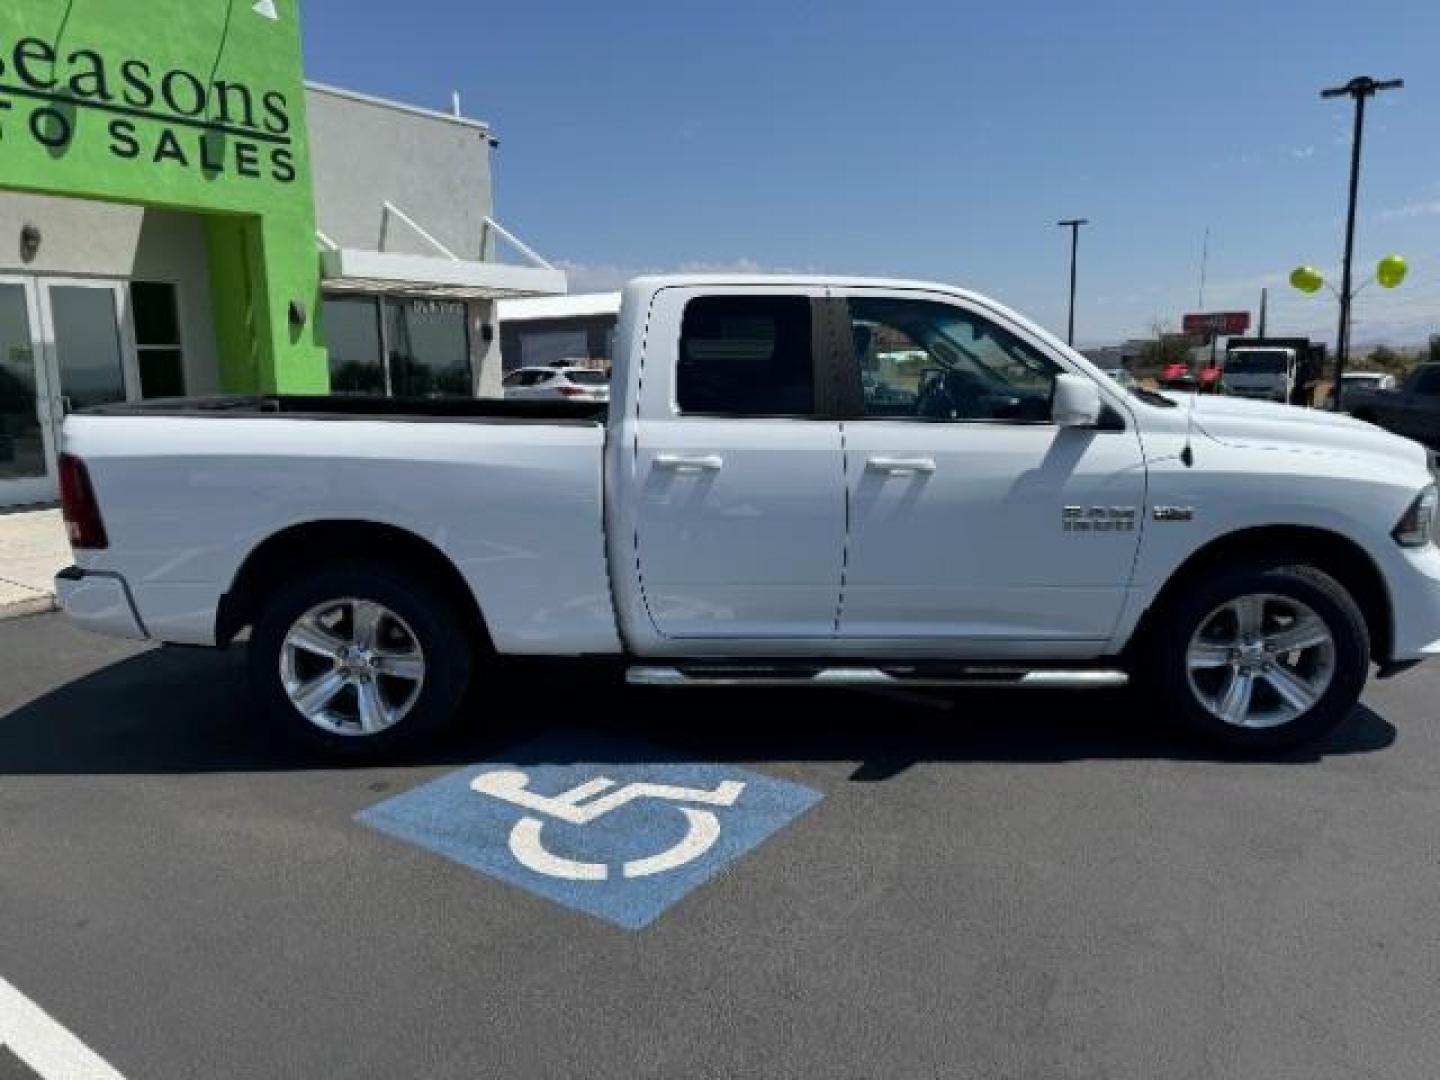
{"x": 1361, "y": 89}
{"x": 1073, "y": 224}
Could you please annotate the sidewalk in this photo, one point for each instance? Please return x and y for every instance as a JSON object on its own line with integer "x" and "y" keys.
{"x": 33, "y": 548}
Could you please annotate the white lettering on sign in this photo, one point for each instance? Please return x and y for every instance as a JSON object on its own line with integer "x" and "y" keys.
{"x": 571, "y": 807}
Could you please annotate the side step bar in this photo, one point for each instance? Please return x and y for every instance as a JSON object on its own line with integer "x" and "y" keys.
{"x": 898, "y": 677}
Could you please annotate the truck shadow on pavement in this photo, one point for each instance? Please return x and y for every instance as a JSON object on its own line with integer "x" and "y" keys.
{"x": 189, "y": 711}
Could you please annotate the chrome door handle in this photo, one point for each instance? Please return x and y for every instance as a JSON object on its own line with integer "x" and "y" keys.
{"x": 901, "y": 466}
{"x": 690, "y": 463}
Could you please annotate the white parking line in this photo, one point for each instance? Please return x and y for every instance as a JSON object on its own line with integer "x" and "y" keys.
{"x": 37, "y": 1039}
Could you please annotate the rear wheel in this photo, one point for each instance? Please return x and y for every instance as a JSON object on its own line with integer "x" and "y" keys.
{"x": 359, "y": 659}
{"x": 1263, "y": 656}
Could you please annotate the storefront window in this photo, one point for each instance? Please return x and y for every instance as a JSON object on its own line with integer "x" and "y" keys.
{"x": 352, "y": 328}
{"x": 157, "y": 339}
{"x": 404, "y": 348}
{"x": 429, "y": 348}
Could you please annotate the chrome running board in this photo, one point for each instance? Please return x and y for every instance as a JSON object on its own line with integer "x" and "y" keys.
{"x": 892, "y": 677}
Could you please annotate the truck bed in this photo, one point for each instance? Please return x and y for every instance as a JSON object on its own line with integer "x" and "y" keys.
{"x": 510, "y": 493}
{"x": 359, "y": 407}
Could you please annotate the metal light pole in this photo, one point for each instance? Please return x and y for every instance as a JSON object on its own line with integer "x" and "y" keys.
{"x": 1360, "y": 88}
{"x": 1073, "y": 225}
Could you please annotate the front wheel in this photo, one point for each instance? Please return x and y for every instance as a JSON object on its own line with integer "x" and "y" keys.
{"x": 359, "y": 659}
{"x": 1261, "y": 656}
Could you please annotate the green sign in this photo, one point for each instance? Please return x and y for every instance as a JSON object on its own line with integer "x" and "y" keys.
{"x": 192, "y": 106}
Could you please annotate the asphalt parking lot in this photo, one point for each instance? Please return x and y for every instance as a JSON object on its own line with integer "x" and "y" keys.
{"x": 1019, "y": 887}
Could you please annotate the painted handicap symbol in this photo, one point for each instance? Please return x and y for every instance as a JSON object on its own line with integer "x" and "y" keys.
{"x": 619, "y": 829}
{"x": 571, "y": 807}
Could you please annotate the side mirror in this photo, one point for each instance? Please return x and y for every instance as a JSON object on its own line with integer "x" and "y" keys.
{"x": 1076, "y": 403}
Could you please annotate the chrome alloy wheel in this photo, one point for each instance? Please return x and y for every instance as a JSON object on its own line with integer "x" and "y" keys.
{"x": 352, "y": 667}
{"x": 1260, "y": 660}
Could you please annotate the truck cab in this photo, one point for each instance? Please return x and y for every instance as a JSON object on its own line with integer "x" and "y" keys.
{"x": 1263, "y": 374}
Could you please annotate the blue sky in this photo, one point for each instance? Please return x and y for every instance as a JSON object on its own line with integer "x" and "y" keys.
{"x": 935, "y": 139}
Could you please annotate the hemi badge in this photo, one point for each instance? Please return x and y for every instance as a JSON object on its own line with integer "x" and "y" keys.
{"x": 1174, "y": 513}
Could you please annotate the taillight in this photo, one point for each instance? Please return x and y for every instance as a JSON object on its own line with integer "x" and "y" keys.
{"x": 77, "y": 503}
{"x": 570, "y": 391}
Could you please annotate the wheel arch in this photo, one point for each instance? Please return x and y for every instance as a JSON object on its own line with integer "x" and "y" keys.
{"x": 1334, "y": 554}
{"x": 316, "y": 543}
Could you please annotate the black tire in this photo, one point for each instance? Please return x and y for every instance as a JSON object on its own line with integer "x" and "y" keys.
{"x": 445, "y": 641}
{"x": 1166, "y": 673}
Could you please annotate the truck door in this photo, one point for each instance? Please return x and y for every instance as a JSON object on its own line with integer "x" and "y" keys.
{"x": 976, "y": 524}
{"x": 738, "y": 498}
{"x": 1420, "y": 407}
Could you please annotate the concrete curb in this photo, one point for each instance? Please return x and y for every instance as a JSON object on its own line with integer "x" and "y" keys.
{"x": 36, "y": 605}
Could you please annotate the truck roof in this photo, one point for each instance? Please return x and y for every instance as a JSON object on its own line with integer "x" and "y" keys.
{"x": 651, "y": 282}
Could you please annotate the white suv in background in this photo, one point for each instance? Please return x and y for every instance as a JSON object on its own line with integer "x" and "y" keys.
{"x": 560, "y": 381}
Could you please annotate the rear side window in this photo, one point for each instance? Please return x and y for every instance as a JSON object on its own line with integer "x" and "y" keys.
{"x": 1429, "y": 382}
{"x": 746, "y": 356}
{"x": 589, "y": 378}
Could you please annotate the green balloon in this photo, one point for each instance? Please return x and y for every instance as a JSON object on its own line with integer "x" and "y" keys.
{"x": 1391, "y": 271}
{"x": 1307, "y": 279}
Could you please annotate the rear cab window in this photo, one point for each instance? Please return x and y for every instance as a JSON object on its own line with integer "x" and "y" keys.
{"x": 746, "y": 356}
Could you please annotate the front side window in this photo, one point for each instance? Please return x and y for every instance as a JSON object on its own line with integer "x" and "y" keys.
{"x": 923, "y": 360}
{"x": 746, "y": 356}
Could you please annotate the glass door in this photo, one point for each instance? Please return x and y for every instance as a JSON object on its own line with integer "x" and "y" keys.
{"x": 65, "y": 344}
{"x": 91, "y": 357}
{"x": 26, "y": 450}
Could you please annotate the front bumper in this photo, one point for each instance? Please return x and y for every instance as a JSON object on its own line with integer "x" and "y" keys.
{"x": 99, "y": 601}
{"x": 1413, "y": 580}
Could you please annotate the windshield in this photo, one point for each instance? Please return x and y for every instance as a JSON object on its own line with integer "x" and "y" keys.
{"x": 1257, "y": 362}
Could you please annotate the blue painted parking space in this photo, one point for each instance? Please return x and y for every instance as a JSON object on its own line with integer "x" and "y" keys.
{"x": 603, "y": 826}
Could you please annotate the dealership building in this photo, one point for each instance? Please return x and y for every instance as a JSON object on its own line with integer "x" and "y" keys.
{"x": 181, "y": 212}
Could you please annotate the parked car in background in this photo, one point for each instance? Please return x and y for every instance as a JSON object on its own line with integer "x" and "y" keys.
{"x": 752, "y": 510}
{"x": 1413, "y": 410}
{"x": 1360, "y": 380}
{"x": 558, "y": 381}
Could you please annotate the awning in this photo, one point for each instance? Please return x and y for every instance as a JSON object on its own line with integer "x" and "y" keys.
{"x": 444, "y": 275}
{"x": 349, "y": 270}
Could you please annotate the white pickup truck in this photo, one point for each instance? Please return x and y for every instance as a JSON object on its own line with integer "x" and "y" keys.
{"x": 803, "y": 482}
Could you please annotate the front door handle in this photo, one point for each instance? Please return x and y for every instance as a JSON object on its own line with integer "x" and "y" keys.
{"x": 894, "y": 466}
{"x": 690, "y": 463}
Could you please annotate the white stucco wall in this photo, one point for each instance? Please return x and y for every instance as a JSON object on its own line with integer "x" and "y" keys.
{"x": 105, "y": 240}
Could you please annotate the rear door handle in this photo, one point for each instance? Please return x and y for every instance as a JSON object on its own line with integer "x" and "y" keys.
{"x": 894, "y": 466}
{"x": 690, "y": 463}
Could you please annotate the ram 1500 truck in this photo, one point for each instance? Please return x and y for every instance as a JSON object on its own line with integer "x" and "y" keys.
{"x": 798, "y": 482}
{"x": 1412, "y": 410}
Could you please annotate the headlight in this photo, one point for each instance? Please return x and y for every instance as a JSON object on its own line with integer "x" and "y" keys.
{"x": 1415, "y": 527}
